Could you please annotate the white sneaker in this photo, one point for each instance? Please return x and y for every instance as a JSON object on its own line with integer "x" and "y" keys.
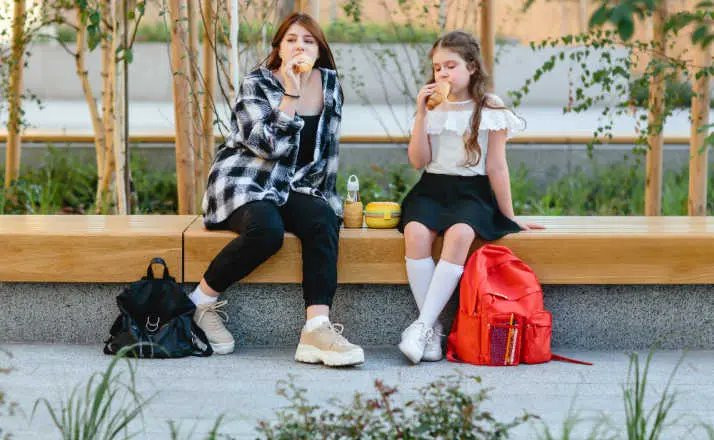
{"x": 432, "y": 351}
{"x": 210, "y": 318}
{"x": 414, "y": 340}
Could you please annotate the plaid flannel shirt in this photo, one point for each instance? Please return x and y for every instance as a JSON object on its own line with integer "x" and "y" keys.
{"x": 258, "y": 159}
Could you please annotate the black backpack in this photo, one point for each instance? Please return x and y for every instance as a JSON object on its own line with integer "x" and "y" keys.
{"x": 156, "y": 318}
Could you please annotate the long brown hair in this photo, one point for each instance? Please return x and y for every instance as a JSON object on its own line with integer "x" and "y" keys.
{"x": 465, "y": 45}
{"x": 324, "y": 57}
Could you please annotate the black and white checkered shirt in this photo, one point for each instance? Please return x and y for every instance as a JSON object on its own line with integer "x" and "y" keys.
{"x": 258, "y": 160}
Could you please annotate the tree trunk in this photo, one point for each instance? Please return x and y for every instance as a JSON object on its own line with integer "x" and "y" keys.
{"x": 120, "y": 38}
{"x": 182, "y": 107}
{"x": 285, "y": 8}
{"x": 442, "y": 15}
{"x": 653, "y": 184}
{"x": 108, "y": 63}
{"x": 697, "y": 148}
{"x": 488, "y": 40}
{"x": 196, "y": 87}
{"x": 209, "y": 76}
{"x": 233, "y": 48}
{"x": 14, "y": 137}
{"x": 97, "y": 125}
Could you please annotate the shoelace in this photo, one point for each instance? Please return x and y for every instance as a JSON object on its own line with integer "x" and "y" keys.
{"x": 214, "y": 308}
{"x": 426, "y": 333}
{"x": 337, "y": 329}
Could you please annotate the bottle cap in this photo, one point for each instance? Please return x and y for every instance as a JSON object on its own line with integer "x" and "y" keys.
{"x": 352, "y": 183}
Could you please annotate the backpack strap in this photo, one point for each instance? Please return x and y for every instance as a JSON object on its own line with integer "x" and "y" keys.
{"x": 556, "y": 357}
{"x": 150, "y": 271}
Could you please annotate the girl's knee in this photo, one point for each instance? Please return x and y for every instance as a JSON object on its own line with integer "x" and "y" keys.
{"x": 418, "y": 240}
{"x": 269, "y": 238}
{"x": 460, "y": 233}
{"x": 418, "y": 232}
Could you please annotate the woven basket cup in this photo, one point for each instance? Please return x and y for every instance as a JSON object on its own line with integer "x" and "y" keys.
{"x": 352, "y": 214}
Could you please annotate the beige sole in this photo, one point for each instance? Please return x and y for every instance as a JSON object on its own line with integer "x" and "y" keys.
{"x": 223, "y": 347}
{"x": 313, "y": 355}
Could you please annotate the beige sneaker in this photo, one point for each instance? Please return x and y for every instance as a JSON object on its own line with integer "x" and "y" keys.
{"x": 327, "y": 345}
{"x": 210, "y": 317}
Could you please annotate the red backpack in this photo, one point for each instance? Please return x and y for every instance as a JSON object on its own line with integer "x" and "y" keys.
{"x": 501, "y": 319}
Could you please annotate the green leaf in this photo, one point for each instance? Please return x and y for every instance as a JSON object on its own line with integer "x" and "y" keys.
{"x": 699, "y": 34}
{"x": 626, "y": 28}
{"x": 600, "y": 16}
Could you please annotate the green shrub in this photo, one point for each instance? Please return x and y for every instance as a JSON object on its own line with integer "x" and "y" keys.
{"x": 678, "y": 93}
{"x": 444, "y": 409}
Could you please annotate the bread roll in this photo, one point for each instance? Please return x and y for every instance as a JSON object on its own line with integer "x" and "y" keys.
{"x": 304, "y": 64}
{"x": 440, "y": 93}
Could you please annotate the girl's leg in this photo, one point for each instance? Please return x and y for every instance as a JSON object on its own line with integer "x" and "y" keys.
{"x": 316, "y": 225}
{"x": 420, "y": 334}
{"x": 457, "y": 242}
{"x": 261, "y": 232}
{"x": 418, "y": 241}
{"x": 261, "y": 235}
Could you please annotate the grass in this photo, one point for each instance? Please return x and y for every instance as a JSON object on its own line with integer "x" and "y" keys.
{"x": 103, "y": 409}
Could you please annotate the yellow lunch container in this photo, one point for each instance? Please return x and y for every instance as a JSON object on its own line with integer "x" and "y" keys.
{"x": 382, "y": 215}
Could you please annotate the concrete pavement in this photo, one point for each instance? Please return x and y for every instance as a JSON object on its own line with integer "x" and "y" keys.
{"x": 194, "y": 391}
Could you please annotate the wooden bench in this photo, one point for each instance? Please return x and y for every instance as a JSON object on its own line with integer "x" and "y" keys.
{"x": 572, "y": 250}
{"x": 63, "y": 248}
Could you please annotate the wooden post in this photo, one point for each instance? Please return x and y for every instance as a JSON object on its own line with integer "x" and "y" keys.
{"x": 653, "y": 184}
{"x": 120, "y": 39}
{"x": 442, "y": 15}
{"x": 209, "y": 76}
{"x": 697, "y": 150}
{"x": 14, "y": 137}
{"x": 182, "y": 107}
{"x": 583, "y": 15}
{"x": 488, "y": 40}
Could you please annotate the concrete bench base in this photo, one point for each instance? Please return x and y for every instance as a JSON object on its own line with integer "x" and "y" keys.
{"x": 592, "y": 317}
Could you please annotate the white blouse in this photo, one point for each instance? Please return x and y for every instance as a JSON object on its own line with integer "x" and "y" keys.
{"x": 446, "y": 126}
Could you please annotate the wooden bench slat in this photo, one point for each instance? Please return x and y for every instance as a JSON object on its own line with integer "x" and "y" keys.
{"x": 573, "y": 250}
{"x": 58, "y": 248}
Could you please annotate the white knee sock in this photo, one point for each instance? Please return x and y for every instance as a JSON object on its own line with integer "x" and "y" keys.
{"x": 446, "y": 278}
{"x": 198, "y": 297}
{"x": 419, "y": 273}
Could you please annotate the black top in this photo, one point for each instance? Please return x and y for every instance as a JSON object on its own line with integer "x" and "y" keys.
{"x": 308, "y": 139}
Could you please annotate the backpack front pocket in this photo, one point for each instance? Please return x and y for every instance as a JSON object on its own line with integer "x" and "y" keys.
{"x": 504, "y": 339}
{"x": 536, "y": 346}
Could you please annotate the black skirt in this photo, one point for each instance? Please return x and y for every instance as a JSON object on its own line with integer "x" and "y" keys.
{"x": 439, "y": 201}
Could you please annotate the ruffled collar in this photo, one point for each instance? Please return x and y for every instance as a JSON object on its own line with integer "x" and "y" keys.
{"x": 459, "y": 121}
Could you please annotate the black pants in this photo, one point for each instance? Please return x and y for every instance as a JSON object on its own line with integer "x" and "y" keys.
{"x": 261, "y": 225}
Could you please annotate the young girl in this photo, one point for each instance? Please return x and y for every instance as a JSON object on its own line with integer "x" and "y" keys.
{"x": 276, "y": 173}
{"x": 465, "y": 191}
